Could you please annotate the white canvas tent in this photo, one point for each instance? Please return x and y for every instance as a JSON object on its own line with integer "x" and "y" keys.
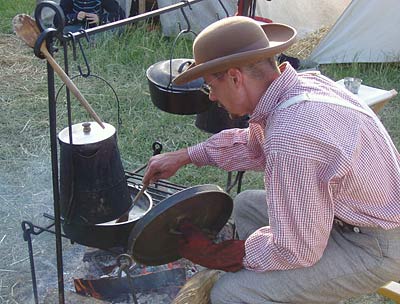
{"x": 199, "y": 15}
{"x": 361, "y": 30}
{"x": 367, "y": 31}
{"x": 305, "y": 16}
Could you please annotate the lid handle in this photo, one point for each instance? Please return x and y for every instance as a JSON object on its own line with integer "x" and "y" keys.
{"x": 86, "y": 127}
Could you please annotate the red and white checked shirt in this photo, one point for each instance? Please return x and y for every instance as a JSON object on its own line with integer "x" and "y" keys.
{"x": 319, "y": 161}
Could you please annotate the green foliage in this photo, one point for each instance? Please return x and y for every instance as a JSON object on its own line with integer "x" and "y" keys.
{"x": 121, "y": 59}
{"x": 10, "y": 8}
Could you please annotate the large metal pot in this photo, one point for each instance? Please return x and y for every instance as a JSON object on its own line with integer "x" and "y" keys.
{"x": 216, "y": 119}
{"x": 93, "y": 187}
{"x": 184, "y": 99}
{"x": 110, "y": 234}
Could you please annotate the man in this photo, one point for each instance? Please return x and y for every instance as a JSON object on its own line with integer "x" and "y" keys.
{"x": 327, "y": 225}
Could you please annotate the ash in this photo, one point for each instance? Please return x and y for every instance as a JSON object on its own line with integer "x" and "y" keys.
{"x": 149, "y": 284}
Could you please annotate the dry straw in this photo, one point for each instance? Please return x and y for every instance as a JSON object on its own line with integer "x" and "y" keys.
{"x": 303, "y": 48}
{"x": 197, "y": 289}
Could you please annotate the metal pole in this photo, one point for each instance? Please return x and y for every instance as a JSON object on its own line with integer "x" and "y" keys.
{"x": 56, "y": 193}
{"x": 130, "y": 20}
{"x": 27, "y": 227}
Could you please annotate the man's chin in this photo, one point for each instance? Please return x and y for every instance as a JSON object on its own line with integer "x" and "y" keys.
{"x": 235, "y": 116}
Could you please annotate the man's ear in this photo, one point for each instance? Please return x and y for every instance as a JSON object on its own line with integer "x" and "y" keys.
{"x": 235, "y": 75}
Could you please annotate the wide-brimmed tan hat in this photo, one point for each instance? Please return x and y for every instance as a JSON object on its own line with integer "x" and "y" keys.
{"x": 235, "y": 41}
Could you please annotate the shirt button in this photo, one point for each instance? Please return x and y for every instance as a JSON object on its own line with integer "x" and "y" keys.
{"x": 356, "y": 230}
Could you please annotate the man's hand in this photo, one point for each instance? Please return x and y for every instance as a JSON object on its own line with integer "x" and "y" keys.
{"x": 92, "y": 18}
{"x": 163, "y": 166}
{"x": 198, "y": 248}
{"x": 81, "y": 15}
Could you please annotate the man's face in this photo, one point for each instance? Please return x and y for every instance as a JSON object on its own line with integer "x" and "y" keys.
{"x": 223, "y": 90}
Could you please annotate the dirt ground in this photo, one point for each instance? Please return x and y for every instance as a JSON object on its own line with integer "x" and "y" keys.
{"x": 26, "y": 192}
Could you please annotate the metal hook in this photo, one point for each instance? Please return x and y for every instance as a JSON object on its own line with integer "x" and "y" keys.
{"x": 253, "y": 9}
{"x": 187, "y": 3}
{"x": 87, "y": 74}
{"x": 188, "y": 29}
{"x": 74, "y": 55}
{"x": 124, "y": 262}
{"x": 73, "y": 45}
{"x": 224, "y": 8}
{"x": 172, "y": 52}
{"x": 86, "y": 34}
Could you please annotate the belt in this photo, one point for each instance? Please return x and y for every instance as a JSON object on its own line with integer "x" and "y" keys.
{"x": 368, "y": 230}
{"x": 345, "y": 225}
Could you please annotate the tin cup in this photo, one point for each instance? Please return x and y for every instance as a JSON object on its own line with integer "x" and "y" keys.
{"x": 352, "y": 84}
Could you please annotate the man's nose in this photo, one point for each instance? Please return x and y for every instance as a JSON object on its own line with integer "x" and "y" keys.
{"x": 212, "y": 97}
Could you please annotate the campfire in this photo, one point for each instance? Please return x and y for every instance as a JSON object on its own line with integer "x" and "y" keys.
{"x": 133, "y": 283}
{"x": 111, "y": 276}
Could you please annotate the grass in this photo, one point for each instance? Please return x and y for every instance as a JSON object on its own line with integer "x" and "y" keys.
{"x": 121, "y": 62}
{"x": 8, "y": 9}
{"x": 123, "y": 65}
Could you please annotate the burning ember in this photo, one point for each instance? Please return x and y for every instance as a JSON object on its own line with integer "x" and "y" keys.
{"x": 107, "y": 280}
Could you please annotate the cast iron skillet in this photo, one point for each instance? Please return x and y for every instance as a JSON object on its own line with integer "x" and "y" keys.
{"x": 154, "y": 238}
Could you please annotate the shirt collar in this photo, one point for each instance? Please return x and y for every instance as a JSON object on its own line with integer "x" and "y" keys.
{"x": 275, "y": 93}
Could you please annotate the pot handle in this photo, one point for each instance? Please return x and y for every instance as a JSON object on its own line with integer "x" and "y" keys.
{"x": 188, "y": 63}
{"x": 88, "y": 156}
{"x": 71, "y": 202}
{"x": 157, "y": 148}
{"x": 180, "y": 70}
{"x": 182, "y": 31}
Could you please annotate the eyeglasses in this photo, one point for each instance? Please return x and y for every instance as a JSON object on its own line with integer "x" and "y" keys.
{"x": 206, "y": 88}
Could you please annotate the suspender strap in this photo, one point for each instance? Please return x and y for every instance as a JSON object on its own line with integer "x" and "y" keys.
{"x": 304, "y": 97}
{"x": 325, "y": 99}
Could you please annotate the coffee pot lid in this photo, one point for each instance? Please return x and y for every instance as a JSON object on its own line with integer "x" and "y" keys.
{"x": 87, "y": 133}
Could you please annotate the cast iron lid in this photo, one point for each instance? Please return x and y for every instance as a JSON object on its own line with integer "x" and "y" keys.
{"x": 154, "y": 238}
{"x": 162, "y": 73}
{"x": 87, "y": 133}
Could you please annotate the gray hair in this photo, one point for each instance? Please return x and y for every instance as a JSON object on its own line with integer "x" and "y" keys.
{"x": 259, "y": 69}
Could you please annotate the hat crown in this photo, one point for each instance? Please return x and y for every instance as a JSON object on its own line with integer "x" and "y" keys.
{"x": 229, "y": 36}
{"x": 235, "y": 42}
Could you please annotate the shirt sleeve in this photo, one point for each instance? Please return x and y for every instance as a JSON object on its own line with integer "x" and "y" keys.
{"x": 232, "y": 150}
{"x": 300, "y": 213}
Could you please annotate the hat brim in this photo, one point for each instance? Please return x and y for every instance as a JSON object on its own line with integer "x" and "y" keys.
{"x": 280, "y": 36}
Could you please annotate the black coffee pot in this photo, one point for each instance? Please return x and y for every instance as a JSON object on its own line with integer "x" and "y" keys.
{"x": 93, "y": 187}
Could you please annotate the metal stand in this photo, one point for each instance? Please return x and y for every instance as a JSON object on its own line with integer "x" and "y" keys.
{"x": 48, "y": 35}
{"x": 237, "y": 181}
{"x": 30, "y": 229}
{"x": 158, "y": 192}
